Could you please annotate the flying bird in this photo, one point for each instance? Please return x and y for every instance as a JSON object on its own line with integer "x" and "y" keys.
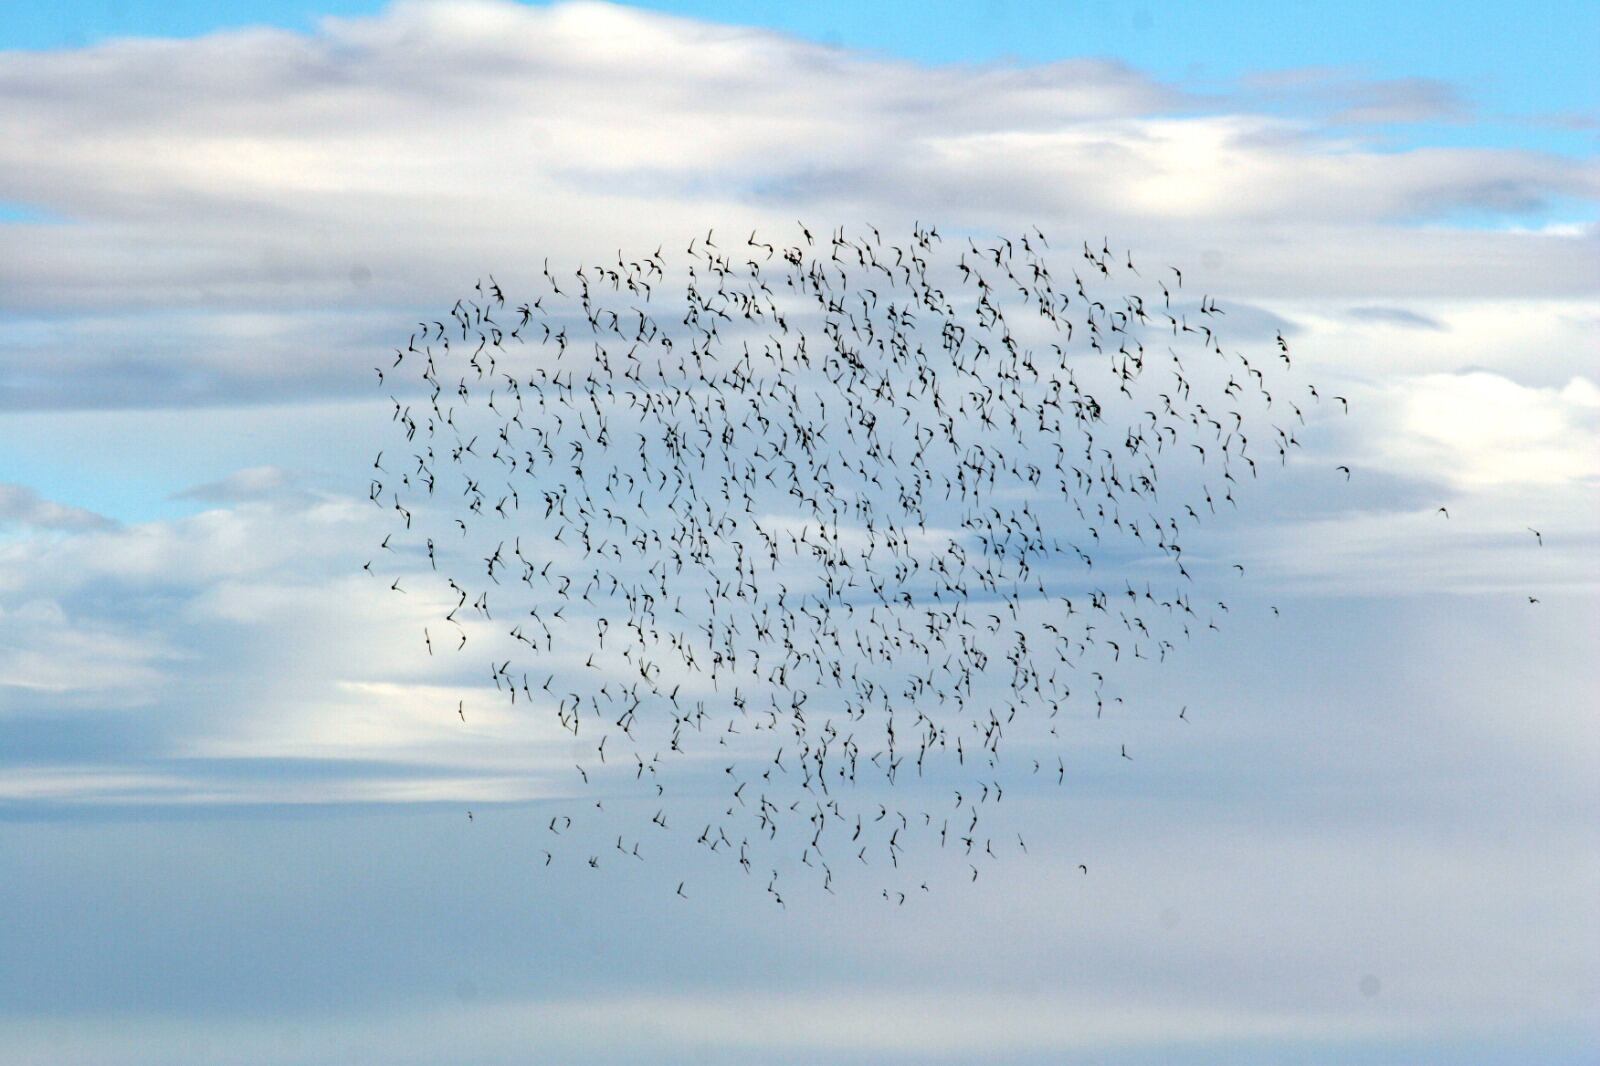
{"x": 857, "y": 513}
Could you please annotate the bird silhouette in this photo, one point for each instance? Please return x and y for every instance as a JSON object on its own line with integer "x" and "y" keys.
{"x": 859, "y": 514}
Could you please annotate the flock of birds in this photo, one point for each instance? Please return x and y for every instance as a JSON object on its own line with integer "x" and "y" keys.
{"x": 813, "y": 533}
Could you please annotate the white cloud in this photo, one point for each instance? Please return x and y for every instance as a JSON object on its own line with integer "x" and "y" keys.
{"x": 259, "y": 174}
{"x": 48, "y": 652}
{"x": 244, "y": 174}
{"x": 1483, "y": 429}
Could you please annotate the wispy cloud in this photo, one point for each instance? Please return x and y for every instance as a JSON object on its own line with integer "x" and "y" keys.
{"x": 22, "y": 506}
{"x": 1398, "y": 315}
{"x": 1347, "y": 97}
{"x": 253, "y": 483}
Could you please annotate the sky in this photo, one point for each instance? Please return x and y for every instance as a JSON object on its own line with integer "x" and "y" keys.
{"x": 231, "y": 824}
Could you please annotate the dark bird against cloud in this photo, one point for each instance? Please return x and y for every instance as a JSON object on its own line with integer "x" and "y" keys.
{"x": 845, "y": 519}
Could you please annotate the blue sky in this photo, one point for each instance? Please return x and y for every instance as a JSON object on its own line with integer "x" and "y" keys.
{"x": 231, "y": 817}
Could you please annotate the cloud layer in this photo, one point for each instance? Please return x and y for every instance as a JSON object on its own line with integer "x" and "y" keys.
{"x": 246, "y": 214}
{"x": 237, "y": 227}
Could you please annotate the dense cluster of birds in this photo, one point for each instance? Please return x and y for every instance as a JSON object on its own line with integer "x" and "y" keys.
{"x": 810, "y": 533}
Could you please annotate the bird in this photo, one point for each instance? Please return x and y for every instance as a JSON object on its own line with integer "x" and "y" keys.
{"x": 1539, "y": 537}
{"x": 819, "y": 505}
